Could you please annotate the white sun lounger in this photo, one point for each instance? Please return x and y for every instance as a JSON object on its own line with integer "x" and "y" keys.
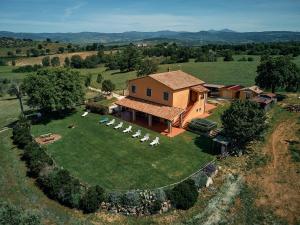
{"x": 111, "y": 122}
{"x": 128, "y": 129}
{"x": 145, "y": 138}
{"x": 155, "y": 142}
{"x": 137, "y": 134}
{"x": 120, "y": 125}
{"x": 85, "y": 114}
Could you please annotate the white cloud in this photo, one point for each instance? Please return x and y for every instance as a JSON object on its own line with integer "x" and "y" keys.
{"x": 70, "y": 10}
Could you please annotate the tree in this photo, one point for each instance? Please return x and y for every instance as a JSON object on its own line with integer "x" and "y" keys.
{"x": 46, "y": 61}
{"x": 10, "y": 53}
{"x": 99, "y": 78}
{"x": 34, "y": 52}
{"x": 67, "y": 62}
{"x": 92, "y": 199}
{"x": 184, "y": 195}
{"x": 147, "y": 66}
{"x": 40, "y": 46}
{"x": 61, "y": 49}
{"x": 88, "y": 80}
{"x": 108, "y": 86}
{"x": 21, "y": 132}
{"x": 13, "y": 62}
{"x": 16, "y": 89}
{"x": 54, "y": 89}
{"x": 228, "y": 56}
{"x": 279, "y": 72}
{"x": 76, "y": 61}
{"x": 18, "y": 51}
{"x": 243, "y": 121}
{"x": 130, "y": 58}
{"x": 55, "y": 61}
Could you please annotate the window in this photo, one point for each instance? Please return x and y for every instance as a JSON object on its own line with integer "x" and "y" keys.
{"x": 133, "y": 88}
{"x": 149, "y": 92}
{"x": 166, "y": 96}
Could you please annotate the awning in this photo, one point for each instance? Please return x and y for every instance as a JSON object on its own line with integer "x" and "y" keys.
{"x": 158, "y": 110}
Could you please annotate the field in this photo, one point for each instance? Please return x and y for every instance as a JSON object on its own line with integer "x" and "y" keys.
{"x": 220, "y": 72}
{"x": 98, "y": 154}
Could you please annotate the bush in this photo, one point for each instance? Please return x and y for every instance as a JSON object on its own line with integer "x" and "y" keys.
{"x": 21, "y": 132}
{"x": 2, "y": 62}
{"x": 92, "y": 199}
{"x": 97, "y": 108}
{"x": 160, "y": 195}
{"x": 27, "y": 69}
{"x": 184, "y": 195}
{"x": 200, "y": 179}
{"x": 131, "y": 199}
{"x": 36, "y": 158}
{"x": 61, "y": 186}
{"x": 10, "y": 214}
{"x": 155, "y": 207}
{"x": 114, "y": 198}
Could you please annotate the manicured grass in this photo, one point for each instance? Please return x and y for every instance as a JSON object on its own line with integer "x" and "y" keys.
{"x": 98, "y": 154}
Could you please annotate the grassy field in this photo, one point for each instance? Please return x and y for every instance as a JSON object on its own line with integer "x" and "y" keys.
{"x": 98, "y": 154}
{"x": 220, "y": 72}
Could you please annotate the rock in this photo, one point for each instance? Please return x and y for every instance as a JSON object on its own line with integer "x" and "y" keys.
{"x": 209, "y": 182}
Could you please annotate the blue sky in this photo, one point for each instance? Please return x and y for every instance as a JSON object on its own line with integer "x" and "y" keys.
{"x": 148, "y": 15}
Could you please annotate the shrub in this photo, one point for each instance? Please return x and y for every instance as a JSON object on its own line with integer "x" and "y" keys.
{"x": 36, "y": 158}
{"x": 61, "y": 186}
{"x": 21, "y": 132}
{"x": 200, "y": 179}
{"x": 92, "y": 199}
{"x": 114, "y": 198}
{"x": 155, "y": 207}
{"x": 97, "y": 108}
{"x": 160, "y": 195}
{"x": 10, "y": 214}
{"x": 2, "y": 62}
{"x": 184, "y": 195}
{"x": 108, "y": 86}
{"x": 131, "y": 198}
{"x": 27, "y": 68}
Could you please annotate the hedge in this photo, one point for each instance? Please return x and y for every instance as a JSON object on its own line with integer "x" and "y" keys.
{"x": 97, "y": 108}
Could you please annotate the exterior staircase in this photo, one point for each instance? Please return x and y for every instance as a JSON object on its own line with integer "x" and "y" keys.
{"x": 184, "y": 115}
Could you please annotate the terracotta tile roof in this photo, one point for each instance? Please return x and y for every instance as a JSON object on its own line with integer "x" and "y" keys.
{"x": 176, "y": 79}
{"x": 162, "y": 111}
{"x": 254, "y": 88}
{"x": 199, "y": 88}
{"x": 262, "y": 100}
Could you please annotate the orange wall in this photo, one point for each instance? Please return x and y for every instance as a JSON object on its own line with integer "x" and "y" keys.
{"x": 157, "y": 90}
{"x": 181, "y": 98}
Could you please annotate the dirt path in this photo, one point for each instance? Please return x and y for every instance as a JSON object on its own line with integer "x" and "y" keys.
{"x": 279, "y": 181}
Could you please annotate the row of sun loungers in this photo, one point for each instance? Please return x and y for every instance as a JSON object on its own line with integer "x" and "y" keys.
{"x": 137, "y": 134}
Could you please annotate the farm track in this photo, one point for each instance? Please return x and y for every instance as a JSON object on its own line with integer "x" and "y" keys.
{"x": 279, "y": 180}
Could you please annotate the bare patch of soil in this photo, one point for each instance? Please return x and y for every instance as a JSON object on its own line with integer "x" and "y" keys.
{"x": 48, "y": 140}
{"x": 278, "y": 181}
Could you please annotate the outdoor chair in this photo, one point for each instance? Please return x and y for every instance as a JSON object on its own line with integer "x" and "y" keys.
{"x": 103, "y": 120}
{"x": 111, "y": 122}
{"x": 155, "y": 142}
{"x": 85, "y": 114}
{"x": 128, "y": 129}
{"x": 145, "y": 138}
{"x": 120, "y": 125}
{"x": 137, "y": 134}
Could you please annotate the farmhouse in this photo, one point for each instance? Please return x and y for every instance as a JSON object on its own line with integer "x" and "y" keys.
{"x": 230, "y": 91}
{"x": 169, "y": 99}
{"x": 250, "y": 92}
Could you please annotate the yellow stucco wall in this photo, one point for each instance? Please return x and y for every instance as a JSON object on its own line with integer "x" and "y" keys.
{"x": 181, "y": 98}
{"x": 157, "y": 88}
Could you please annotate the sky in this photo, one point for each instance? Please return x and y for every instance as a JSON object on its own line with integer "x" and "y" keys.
{"x": 111, "y": 16}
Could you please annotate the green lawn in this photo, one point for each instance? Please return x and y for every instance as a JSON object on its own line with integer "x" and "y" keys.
{"x": 98, "y": 154}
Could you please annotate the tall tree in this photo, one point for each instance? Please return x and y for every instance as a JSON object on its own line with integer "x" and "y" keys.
{"x": 54, "y": 89}
{"x": 67, "y": 62}
{"x": 55, "y": 61}
{"x": 147, "y": 66}
{"x": 17, "y": 89}
{"x": 99, "y": 78}
{"x": 46, "y": 61}
{"x": 130, "y": 58}
{"x": 76, "y": 61}
{"x": 243, "y": 122}
{"x": 108, "y": 86}
{"x": 278, "y": 72}
{"x": 88, "y": 80}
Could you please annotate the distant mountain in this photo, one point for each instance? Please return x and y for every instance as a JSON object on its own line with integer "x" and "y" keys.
{"x": 201, "y": 37}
